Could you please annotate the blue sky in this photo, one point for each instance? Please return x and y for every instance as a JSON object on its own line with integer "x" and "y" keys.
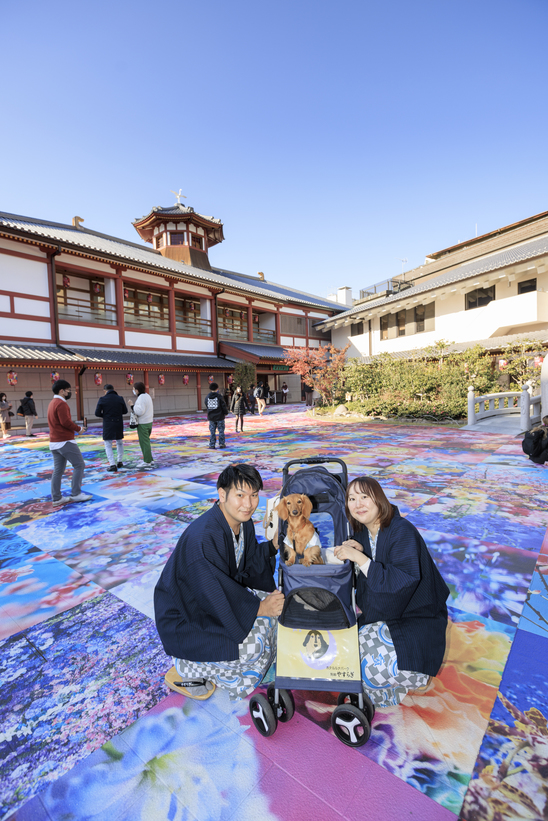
{"x": 333, "y": 140}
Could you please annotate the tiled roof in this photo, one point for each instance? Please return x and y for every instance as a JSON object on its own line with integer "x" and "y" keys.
{"x": 283, "y": 290}
{"x": 262, "y": 351}
{"x": 178, "y": 208}
{"x": 123, "y": 250}
{"x": 479, "y": 267}
{"x": 40, "y": 353}
{"x": 174, "y": 360}
{"x": 494, "y": 343}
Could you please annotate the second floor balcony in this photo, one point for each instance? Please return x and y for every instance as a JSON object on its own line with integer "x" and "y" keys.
{"x": 71, "y": 309}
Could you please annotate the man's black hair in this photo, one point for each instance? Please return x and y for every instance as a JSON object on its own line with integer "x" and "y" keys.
{"x": 239, "y": 475}
{"x": 108, "y": 388}
{"x": 28, "y": 393}
{"x": 214, "y": 386}
{"x": 60, "y": 385}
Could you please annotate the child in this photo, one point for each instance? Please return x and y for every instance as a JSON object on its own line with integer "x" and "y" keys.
{"x": 216, "y": 412}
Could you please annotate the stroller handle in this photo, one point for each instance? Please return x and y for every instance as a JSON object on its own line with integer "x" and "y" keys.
{"x": 316, "y": 460}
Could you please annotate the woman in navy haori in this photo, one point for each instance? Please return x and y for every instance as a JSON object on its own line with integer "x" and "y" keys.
{"x": 400, "y": 592}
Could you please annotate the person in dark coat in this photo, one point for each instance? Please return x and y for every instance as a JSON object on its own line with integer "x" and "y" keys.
{"x": 239, "y": 407}
{"x": 29, "y": 409}
{"x": 251, "y": 399}
{"x": 538, "y": 452}
{"x": 216, "y": 602}
{"x": 400, "y": 592}
{"x": 111, "y": 409}
{"x": 216, "y": 412}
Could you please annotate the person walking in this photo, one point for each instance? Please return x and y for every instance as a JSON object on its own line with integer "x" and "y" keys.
{"x": 144, "y": 411}
{"x": 111, "y": 409}
{"x": 5, "y": 408}
{"x": 285, "y": 391}
{"x": 63, "y": 447}
{"x": 29, "y": 409}
{"x": 259, "y": 396}
{"x": 251, "y": 399}
{"x": 216, "y": 412}
{"x": 239, "y": 407}
{"x": 309, "y": 394}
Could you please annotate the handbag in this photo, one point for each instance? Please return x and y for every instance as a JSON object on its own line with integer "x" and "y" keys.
{"x": 20, "y": 411}
{"x": 133, "y": 420}
{"x": 270, "y": 521}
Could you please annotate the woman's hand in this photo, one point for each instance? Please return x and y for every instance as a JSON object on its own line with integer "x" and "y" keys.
{"x": 351, "y": 550}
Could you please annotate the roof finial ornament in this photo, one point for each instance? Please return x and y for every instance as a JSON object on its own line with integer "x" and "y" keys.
{"x": 178, "y": 195}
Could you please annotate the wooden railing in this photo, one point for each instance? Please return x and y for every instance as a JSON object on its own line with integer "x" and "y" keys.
{"x": 71, "y": 309}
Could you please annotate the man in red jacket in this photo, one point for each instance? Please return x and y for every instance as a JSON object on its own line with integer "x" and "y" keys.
{"x": 63, "y": 447}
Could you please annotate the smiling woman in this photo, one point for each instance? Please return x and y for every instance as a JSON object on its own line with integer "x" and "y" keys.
{"x": 400, "y": 592}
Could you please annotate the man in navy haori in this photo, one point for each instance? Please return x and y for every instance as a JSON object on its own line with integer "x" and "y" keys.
{"x": 216, "y": 412}
{"x": 216, "y": 603}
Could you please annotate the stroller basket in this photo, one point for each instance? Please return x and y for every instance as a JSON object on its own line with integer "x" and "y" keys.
{"x": 318, "y": 597}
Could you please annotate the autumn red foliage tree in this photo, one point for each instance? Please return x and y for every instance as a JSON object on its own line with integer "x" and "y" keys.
{"x": 321, "y": 368}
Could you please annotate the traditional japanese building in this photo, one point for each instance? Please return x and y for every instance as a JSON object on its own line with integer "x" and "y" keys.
{"x": 92, "y": 308}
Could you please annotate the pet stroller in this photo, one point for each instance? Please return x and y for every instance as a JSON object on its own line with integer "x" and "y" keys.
{"x": 317, "y": 647}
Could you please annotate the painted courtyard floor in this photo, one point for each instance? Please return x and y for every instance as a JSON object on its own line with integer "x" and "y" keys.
{"x": 88, "y": 729}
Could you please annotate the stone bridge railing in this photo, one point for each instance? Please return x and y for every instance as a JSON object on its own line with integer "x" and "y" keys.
{"x": 503, "y": 404}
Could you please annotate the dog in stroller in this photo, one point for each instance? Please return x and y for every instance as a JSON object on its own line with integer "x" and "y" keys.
{"x": 295, "y": 509}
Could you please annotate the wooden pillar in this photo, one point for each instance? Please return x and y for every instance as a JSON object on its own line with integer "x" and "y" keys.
{"x": 172, "y": 323}
{"x": 78, "y": 393}
{"x": 145, "y": 380}
{"x": 120, "y": 308}
{"x": 249, "y": 322}
{"x": 278, "y": 327}
{"x": 199, "y": 390}
{"x": 306, "y": 327}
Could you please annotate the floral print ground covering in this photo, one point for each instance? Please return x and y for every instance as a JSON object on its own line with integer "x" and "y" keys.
{"x": 88, "y": 729}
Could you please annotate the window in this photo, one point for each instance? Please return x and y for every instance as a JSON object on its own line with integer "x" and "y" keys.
{"x": 356, "y": 329}
{"x": 400, "y": 322}
{"x": 419, "y": 319}
{"x": 384, "y": 326}
{"x": 479, "y": 298}
{"x": 527, "y": 285}
{"x": 177, "y": 237}
{"x": 197, "y": 242}
{"x": 293, "y": 325}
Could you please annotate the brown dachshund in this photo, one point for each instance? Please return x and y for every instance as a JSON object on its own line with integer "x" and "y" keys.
{"x": 295, "y": 510}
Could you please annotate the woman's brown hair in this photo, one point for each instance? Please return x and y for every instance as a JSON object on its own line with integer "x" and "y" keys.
{"x": 140, "y": 388}
{"x": 371, "y": 488}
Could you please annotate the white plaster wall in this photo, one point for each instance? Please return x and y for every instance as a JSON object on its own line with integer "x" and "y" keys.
{"x": 26, "y": 329}
{"x": 286, "y": 340}
{"x": 267, "y": 322}
{"x": 23, "y": 275}
{"x": 77, "y": 334}
{"x": 5, "y": 304}
{"x": 189, "y": 343}
{"x": 81, "y": 262}
{"x": 194, "y": 289}
{"x": 32, "y": 307}
{"x": 153, "y": 341}
{"x": 22, "y": 248}
{"x": 295, "y": 311}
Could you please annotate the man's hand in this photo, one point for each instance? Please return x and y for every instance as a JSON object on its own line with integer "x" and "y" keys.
{"x": 273, "y": 604}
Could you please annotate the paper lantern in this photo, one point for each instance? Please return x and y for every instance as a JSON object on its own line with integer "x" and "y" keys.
{"x": 12, "y": 378}
{"x": 502, "y": 364}
{"x": 96, "y": 288}
{"x": 211, "y": 378}
{"x": 255, "y": 317}
{"x": 98, "y": 379}
{"x": 54, "y": 376}
{"x": 538, "y": 360}
{"x": 66, "y": 281}
{"x": 126, "y": 293}
{"x": 149, "y": 298}
{"x": 186, "y": 379}
{"x": 230, "y": 379}
{"x": 161, "y": 379}
{"x": 129, "y": 378}
{"x": 227, "y": 312}
{"x": 242, "y": 314}
{"x": 190, "y": 306}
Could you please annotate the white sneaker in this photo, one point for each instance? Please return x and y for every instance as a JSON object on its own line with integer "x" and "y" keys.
{"x": 142, "y": 464}
{"x": 64, "y": 500}
{"x": 82, "y": 497}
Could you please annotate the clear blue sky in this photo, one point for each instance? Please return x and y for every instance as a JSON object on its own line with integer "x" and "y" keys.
{"x": 332, "y": 139}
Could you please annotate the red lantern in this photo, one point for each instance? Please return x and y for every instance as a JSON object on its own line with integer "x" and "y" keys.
{"x": 502, "y": 364}
{"x": 129, "y": 378}
{"x": 149, "y": 298}
{"x": 230, "y": 379}
{"x": 12, "y": 378}
{"x": 227, "y": 312}
{"x": 256, "y": 318}
{"x": 186, "y": 379}
{"x": 211, "y": 378}
{"x": 126, "y": 293}
{"x": 242, "y": 314}
{"x": 98, "y": 379}
{"x": 161, "y": 379}
{"x": 96, "y": 288}
{"x": 66, "y": 281}
{"x": 538, "y": 361}
{"x": 190, "y": 306}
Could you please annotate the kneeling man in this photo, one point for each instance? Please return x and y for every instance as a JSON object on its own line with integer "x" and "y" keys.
{"x": 216, "y": 603}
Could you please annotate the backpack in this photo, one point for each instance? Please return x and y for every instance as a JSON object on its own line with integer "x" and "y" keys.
{"x": 532, "y": 443}
{"x": 213, "y": 402}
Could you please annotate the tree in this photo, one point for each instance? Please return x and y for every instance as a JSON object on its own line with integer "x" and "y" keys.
{"x": 321, "y": 368}
{"x": 244, "y": 375}
{"x": 523, "y": 358}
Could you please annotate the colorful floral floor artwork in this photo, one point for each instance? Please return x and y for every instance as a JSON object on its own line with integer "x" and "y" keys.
{"x": 88, "y": 729}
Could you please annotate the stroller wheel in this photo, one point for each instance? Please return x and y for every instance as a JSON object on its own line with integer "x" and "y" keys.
{"x": 286, "y": 705}
{"x": 352, "y": 698}
{"x": 350, "y": 725}
{"x": 262, "y": 715}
